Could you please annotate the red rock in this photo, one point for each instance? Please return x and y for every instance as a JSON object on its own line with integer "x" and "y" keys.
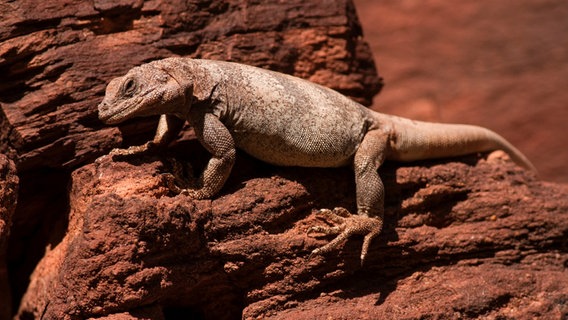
{"x": 461, "y": 240}
{"x": 56, "y": 58}
{"x": 8, "y": 196}
{"x": 464, "y": 238}
{"x": 60, "y": 56}
{"x": 497, "y": 64}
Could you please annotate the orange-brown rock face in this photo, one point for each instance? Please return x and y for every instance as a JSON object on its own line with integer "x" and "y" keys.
{"x": 492, "y": 63}
{"x": 56, "y": 58}
{"x": 464, "y": 238}
{"x": 8, "y": 196}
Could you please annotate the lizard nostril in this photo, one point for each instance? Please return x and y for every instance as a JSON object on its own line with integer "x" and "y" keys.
{"x": 102, "y": 110}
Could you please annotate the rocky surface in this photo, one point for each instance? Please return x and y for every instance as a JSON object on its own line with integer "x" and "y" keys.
{"x": 60, "y": 55}
{"x": 56, "y": 58}
{"x": 472, "y": 238}
{"x": 499, "y": 64}
{"x": 8, "y": 196}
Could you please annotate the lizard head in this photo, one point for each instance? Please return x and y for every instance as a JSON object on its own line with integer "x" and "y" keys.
{"x": 144, "y": 91}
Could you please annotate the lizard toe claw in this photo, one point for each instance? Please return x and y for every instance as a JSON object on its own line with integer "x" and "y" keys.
{"x": 192, "y": 193}
{"x": 334, "y": 218}
{"x": 170, "y": 180}
{"x": 118, "y": 152}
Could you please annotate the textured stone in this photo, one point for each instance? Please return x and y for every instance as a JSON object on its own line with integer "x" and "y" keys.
{"x": 60, "y": 55}
{"x": 462, "y": 239}
{"x": 56, "y": 58}
{"x": 499, "y": 64}
{"x": 8, "y": 196}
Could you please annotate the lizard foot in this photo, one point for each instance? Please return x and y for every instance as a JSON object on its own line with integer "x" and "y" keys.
{"x": 346, "y": 225}
{"x": 181, "y": 180}
{"x": 192, "y": 193}
{"x": 118, "y": 154}
{"x": 172, "y": 182}
{"x": 133, "y": 150}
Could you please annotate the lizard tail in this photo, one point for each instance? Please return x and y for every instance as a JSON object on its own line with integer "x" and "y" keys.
{"x": 416, "y": 140}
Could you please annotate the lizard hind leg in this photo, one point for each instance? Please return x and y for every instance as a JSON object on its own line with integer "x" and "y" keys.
{"x": 370, "y": 198}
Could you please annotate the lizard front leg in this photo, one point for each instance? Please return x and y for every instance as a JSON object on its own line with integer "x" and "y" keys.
{"x": 215, "y": 137}
{"x": 370, "y": 198}
{"x": 169, "y": 127}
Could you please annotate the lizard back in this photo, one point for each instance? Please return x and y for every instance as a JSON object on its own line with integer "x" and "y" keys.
{"x": 284, "y": 120}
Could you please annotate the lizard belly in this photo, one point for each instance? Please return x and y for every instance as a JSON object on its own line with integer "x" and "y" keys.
{"x": 302, "y": 152}
{"x": 305, "y": 144}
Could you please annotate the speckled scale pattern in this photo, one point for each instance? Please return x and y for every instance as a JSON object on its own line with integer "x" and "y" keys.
{"x": 285, "y": 120}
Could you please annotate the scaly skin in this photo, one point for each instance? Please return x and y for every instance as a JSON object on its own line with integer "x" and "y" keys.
{"x": 285, "y": 121}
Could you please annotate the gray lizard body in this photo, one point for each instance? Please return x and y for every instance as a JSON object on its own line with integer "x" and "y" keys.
{"x": 286, "y": 121}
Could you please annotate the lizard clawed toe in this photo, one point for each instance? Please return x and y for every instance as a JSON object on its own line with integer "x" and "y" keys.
{"x": 349, "y": 225}
{"x": 177, "y": 181}
{"x": 132, "y": 150}
{"x": 171, "y": 182}
{"x": 335, "y": 216}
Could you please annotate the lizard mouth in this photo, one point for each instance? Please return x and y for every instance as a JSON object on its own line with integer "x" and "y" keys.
{"x": 113, "y": 117}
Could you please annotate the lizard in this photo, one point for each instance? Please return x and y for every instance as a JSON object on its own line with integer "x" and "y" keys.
{"x": 285, "y": 121}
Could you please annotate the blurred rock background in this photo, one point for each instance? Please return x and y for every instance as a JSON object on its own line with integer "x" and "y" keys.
{"x": 498, "y": 64}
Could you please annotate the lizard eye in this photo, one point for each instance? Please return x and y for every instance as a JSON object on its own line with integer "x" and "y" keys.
{"x": 129, "y": 87}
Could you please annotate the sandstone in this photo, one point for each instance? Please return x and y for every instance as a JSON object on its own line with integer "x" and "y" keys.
{"x": 474, "y": 237}
{"x": 60, "y": 56}
{"x": 497, "y": 64}
{"x": 8, "y": 196}
{"x": 470, "y": 237}
{"x": 56, "y": 58}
